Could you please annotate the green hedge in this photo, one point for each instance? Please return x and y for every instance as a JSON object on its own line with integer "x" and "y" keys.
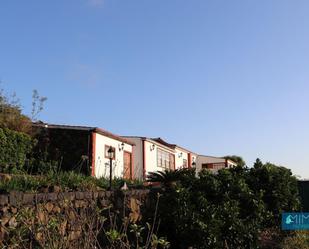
{"x": 303, "y": 187}
{"x": 14, "y": 148}
{"x": 224, "y": 210}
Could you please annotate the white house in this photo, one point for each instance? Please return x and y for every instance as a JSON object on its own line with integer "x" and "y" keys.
{"x": 85, "y": 148}
{"x": 155, "y": 154}
{"x": 213, "y": 163}
{"x": 122, "y": 163}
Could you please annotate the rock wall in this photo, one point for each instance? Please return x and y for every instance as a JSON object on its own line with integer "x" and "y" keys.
{"x": 71, "y": 219}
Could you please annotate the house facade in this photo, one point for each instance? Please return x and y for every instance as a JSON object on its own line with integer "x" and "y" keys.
{"x": 122, "y": 163}
{"x": 85, "y": 149}
{"x": 185, "y": 158}
{"x": 213, "y": 163}
{"x": 155, "y": 154}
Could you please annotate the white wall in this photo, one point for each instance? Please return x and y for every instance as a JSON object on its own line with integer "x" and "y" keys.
{"x": 151, "y": 156}
{"x": 207, "y": 159}
{"x": 180, "y": 155}
{"x": 102, "y": 164}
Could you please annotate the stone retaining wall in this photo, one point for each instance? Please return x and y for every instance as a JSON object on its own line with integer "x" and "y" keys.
{"x": 70, "y": 214}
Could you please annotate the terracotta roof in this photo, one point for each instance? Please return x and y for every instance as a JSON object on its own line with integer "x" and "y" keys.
{"x": 83, "y": 128}
{"x": 111, "y": 135}
{"x": 161, "y": 141}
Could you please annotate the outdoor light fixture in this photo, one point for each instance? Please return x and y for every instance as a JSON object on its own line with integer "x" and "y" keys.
{"x": 194, "y": 164}
{"x": 111, "y": 155}
{"x": 121, "y": 146}
{"x": 152, "y": 147}
{"x": 180, "y": 154}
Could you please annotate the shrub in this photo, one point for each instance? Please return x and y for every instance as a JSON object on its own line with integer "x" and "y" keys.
{"x": 226, "y": 210}
{"x": 14, "y": 148}
{"x": 22, "y": 183}
{"x": 65, "y": 180}
{"x": 299, "y": 239}
{"x": 278, "y": 188}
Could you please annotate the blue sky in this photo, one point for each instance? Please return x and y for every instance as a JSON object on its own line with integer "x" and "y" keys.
{"x": 218, "y": 77}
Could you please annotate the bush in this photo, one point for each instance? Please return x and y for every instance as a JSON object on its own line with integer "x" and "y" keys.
{"x": 67, "y": 181}
{"x": 226, "y": 210}
{"x": 278, "y": 188}
{"x": 14, "y": 148}
{"x": 299, "y": 239}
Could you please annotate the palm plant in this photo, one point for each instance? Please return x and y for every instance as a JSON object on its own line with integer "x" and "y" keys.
{"x": 167, "y": 178}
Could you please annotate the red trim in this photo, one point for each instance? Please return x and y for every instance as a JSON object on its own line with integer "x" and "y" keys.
{"x": 131, "y": 166}
{"x": 189, "y": 161}
{"x": 132, "y": 161}
{"x": 174, "y": 161}
{"x": 113, "y": 136}
{"x": 144, "y": 159}
{"x": 93, "y": 137}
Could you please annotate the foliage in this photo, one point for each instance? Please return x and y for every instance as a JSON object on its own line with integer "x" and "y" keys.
{"x": 120, "y": 232}
{"x": 167, "y": 178}
{"x": 11, "y": 116}
{"x": 237, "y": 159}
{"x": 14, "y": 149}
{"x": 60, "y": 148}
{"x": 304, "y": 193}
{"x": 278, "y": 188}
{"x": 37, "y": 104}
{"x": 16, "y": 134}
{"x": 64, "y": 180}
{"x": 299, "y": 239}
{"x": 224, "y": 210}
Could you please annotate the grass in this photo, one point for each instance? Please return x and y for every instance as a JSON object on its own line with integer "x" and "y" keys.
{"x": 67, "y": 181}
{"x": 297, "y": 239}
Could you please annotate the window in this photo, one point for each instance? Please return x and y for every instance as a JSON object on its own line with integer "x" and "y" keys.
{"x": 165, "y": 160}
{"x": 215, "y": 166}
{"x": 218, "y": 166}
{"x": 185, "y": 163}
{"x": 106, "y": 151}
{"x": 207, "y": 166}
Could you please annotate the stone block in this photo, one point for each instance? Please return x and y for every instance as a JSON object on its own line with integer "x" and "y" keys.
{"x": 52, "y": 196}
{"x": 108, "y": 194}
{"x": 40, "y": 197}
{"x": 102, "y": 194}
{"x": 28, "y": 198}
{"x": 79, "y": 195}
{"x": 4, "y": 199}
{"x": 95, "y": 195}
{"x": 67, "y": 196}
{"x": 88, "y": 195}
{"x": 16, "y": 198}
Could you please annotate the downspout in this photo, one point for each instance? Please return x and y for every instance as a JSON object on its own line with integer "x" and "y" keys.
{"x": 88, "y": 154}
{"x": 144, "y": 159}
{"x": 189, "y": 161}
{"x": 93, "y": 140}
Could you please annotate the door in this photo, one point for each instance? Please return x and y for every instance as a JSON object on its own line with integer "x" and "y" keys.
{"x": 127, "y": 163}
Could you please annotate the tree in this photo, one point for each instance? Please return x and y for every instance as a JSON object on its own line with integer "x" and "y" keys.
{"x": 278, "y": 188}
{"x": 224, "y": 210}
{"x": 11, "y": 115}
{"x": 237, "y": 159}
